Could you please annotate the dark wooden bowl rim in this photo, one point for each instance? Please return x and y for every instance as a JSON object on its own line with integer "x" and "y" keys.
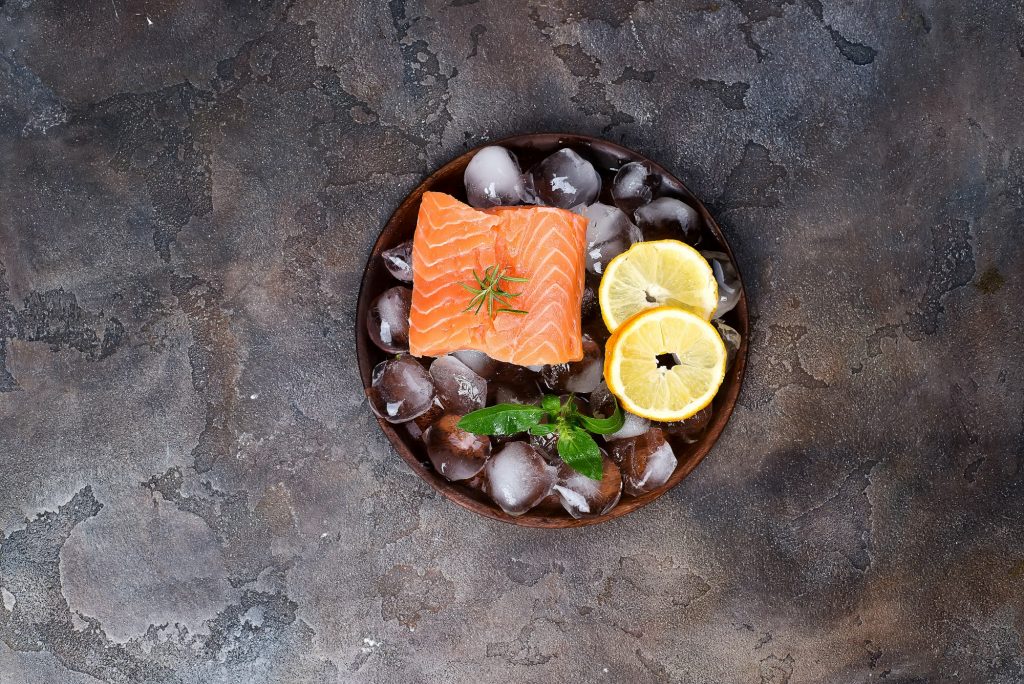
{"x": 400, "y": 228}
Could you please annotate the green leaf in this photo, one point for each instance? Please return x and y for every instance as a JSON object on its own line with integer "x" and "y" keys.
{"x": 580, "y": 452}
{"x": 541, "y": 430}
{"x": 502, "y": 419}
{"x": 551, "y": 403}
{"x": 603, "y": 426}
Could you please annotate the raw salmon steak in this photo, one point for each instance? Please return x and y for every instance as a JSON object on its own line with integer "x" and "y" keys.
{"x": 455, "y": 243}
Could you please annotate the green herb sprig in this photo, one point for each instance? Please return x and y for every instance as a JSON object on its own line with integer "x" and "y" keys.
{"x": 562, "y": 418}
{"x": 489, "y": 292}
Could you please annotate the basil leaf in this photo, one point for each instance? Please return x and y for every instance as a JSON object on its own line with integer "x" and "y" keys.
{"x": 603, "y": 426}
{"x": 541, "y": 430}
{"x": 580, "y": 452}
{"x": 551, "y": 403}
{"x": 502, "y": 419}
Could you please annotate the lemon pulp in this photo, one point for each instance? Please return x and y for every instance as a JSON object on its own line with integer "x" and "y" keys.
{"x": 665, "y": 363}
{"x": 653, "y": 274}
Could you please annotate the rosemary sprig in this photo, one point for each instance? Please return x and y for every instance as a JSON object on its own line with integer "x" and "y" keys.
{"x": 489, "y": 292}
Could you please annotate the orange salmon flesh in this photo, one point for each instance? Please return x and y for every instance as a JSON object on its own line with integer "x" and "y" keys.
{"x": 545, "y": 245}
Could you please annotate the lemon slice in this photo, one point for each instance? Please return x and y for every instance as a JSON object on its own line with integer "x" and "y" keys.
{"x": 657, "y": 273}
{"x": 665, "y": 364}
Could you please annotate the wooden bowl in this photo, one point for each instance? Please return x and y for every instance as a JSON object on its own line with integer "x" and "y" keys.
{"x": 531, "y": 149}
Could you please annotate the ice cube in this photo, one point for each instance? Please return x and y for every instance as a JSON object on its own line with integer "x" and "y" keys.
{"x": 398, "y": 261}
{"x": 634, "y": 186}
{"x": 549, "y": 505}
{"x": 400, "y": 389}
{"x": 669, "y": 218}
{"x": 581, "y": 376}
{"x": 418, "y": 425}
{"x": 414, "y": 430}
{"x": 590, "y": 306}
{"x": 647, "y": 461}
{"x": 596, "y": 330}
{"x": 564, "y": 179}
{"x": 478, "y": 481}
{"x": 609, "y": 233}
{"x": 518, "y": 477}
{"x": 388, "y": 319}
{"x": 481, "y": 364}
{"x": 632, "y": 425}
{"x": 582, "y": 497}
{"x": 582, "y": 405}
{"x": 602, "y": 405}
{"x": 455, "y": 453}
{"x": 728, "y": 282}
{"x": 458, "y": 387}
{"x": 690, "y": 429}
{"x": 731, "y": 337}
{"x": 493, "y": 178}
{"x": 547, "y": 445}
{"x": 514, "y": 385}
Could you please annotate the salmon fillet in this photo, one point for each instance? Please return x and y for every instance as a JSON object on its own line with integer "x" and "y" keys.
{"x": 545, "y": 245}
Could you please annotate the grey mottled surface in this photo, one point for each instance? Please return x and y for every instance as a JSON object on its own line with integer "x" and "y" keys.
{"x": 193, "y": 490}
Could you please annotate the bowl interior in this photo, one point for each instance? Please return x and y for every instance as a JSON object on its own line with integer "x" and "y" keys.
{"x": 531, "y": 149}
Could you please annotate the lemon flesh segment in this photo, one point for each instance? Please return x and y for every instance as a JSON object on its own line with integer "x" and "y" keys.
{"x": 665, "y": 364}
{"x": 653, "y": 274}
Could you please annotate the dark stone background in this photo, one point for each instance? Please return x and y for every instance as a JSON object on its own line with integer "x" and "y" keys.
{"x": 193, "y": 490}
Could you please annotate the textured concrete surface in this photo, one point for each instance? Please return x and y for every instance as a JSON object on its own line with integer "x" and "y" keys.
{"x": 192, "y": 488}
